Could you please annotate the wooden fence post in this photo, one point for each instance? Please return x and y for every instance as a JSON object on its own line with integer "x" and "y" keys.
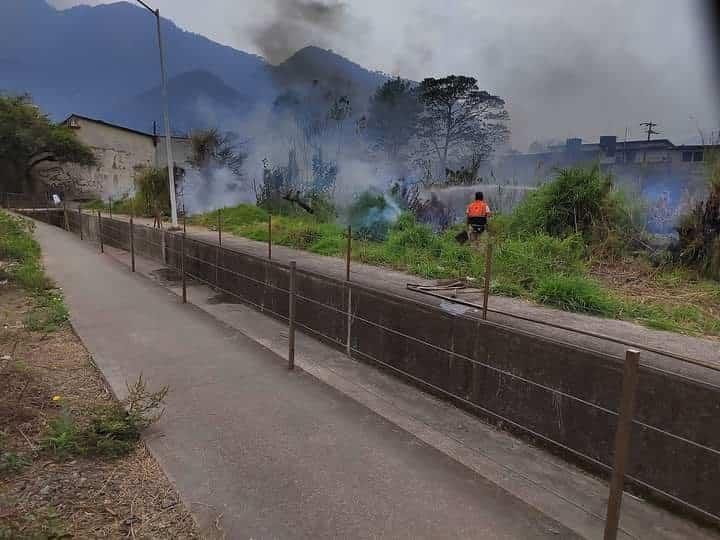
{"x": 219, "y": 221}
{"x": 66, "y": 221}
{"x": 270, "y": 237}
{"x": 291, "y": 317}
{"x": 110, "y": 207}
{"x": 622, "y": 442}
{"x": 100, "y": 232}
{"x": 132, "y": 244}
{"x": 80, "y": 221}
{"x": 348, "y": 346}
{"x": 348, "y": 254}
{"x": 488, "y": 268}
{"x": 182, "y": 268}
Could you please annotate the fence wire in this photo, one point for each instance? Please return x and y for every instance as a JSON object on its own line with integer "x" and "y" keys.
{"x": 353, "y": 317}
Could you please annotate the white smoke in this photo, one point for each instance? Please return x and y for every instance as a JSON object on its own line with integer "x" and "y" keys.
{"x": 220, "y": 189}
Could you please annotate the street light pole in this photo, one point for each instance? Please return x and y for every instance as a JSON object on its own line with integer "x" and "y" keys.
{"x": 166, "y": 119}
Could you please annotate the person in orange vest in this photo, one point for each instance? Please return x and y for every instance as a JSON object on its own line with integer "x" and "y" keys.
{"x": 477, "y": 213}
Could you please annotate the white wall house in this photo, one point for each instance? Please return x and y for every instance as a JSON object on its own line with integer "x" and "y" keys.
{"x": 120, "y": 153}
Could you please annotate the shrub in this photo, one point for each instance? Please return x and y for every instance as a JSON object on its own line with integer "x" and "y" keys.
{"x": 113, "y": 430}
{"x": 583, "y": 202}
{"x": 371, "y": 214}
{"x": 151, "y": 191}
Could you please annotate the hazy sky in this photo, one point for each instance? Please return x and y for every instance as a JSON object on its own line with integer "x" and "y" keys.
{"x": 566, "y": 67}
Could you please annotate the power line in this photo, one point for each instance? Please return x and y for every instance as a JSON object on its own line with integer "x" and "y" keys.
{"x": 650, "y": 129}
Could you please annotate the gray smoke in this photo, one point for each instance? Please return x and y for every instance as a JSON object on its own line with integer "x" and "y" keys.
{"x": 295, "y": 24}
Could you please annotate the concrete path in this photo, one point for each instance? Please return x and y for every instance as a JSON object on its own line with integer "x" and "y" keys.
{"x": 705, "y": 350}
{"x": 260, "y": 451}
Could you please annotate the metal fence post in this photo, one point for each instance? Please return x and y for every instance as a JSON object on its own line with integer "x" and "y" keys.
{"x": 80, "y": 221}
{"x": 100, "y": 232}
{"x": 219, "y": 221}
{"x": 488, "y": 267}
{"x": 348, "y": 254}
{"x": 66, "y": 222}
{"x": 269, "y": 236}
{"x": 291, "y": 318}
{"x": 132, "y": 244}
{"x": 622, "y": 442}
{"x": 182, "y": 268}
{"x": 348, "y": 347}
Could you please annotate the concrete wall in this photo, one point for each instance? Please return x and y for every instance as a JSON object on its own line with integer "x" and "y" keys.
{"x": 563, "y": 396}
{"x": 181, "y": 150}
{"x": 120, "y": 153}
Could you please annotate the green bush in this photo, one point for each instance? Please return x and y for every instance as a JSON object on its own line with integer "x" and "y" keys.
{"x": 580, "y": 201}
{"x": 113, "y": 429}
{"x": 371, "y": 215}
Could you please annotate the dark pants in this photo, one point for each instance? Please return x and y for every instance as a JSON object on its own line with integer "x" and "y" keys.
{"x": 478, "y": 224}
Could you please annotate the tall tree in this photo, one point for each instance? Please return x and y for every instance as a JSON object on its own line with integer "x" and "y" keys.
{"x": 459, "y": 122}
{"x": 393, "y": 114}
{"x": 28, "y": 138}
{"x": 212, "y": 149}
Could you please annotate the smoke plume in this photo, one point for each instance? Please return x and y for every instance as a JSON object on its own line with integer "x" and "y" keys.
{"x": 298, "y": 23}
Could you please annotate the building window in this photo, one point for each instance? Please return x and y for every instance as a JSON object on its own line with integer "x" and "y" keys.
{"x": 687, "y": 156}
{"x": 698, "y": 156}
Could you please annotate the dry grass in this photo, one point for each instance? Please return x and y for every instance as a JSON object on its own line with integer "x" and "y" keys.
{"x": 688, "y": 300}
{"x": 42, "y": 496}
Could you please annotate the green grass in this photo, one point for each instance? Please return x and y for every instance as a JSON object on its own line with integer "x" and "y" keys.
{"x": 123, "y": 205}
{"x": 547, "y": 269}
{"x": 48, "y": 314}
{"x": 12, "y": 462}
{"x": 574, "y": 293}
{"x": 20, "y": 254}
{"x": 111, "y": 433}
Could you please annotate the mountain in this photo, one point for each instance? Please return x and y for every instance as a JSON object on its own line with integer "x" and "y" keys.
{"x": 197, "y": 99}
{"x": 315, "y": 64}
{"x": 102, "y": 62}
{"x": 89, "y": 59}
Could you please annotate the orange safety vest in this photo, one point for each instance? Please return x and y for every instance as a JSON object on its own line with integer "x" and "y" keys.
{"x": 477, "y": 209}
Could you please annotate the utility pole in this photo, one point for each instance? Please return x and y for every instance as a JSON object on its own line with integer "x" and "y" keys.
{"x": 650, "y": 129}
{"x": 166, "y": 118}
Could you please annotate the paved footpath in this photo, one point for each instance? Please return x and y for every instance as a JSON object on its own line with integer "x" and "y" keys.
{"x": 260, "y": 451}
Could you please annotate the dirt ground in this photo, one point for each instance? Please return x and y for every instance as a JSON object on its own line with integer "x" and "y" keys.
{"x": 44, "y": 375}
